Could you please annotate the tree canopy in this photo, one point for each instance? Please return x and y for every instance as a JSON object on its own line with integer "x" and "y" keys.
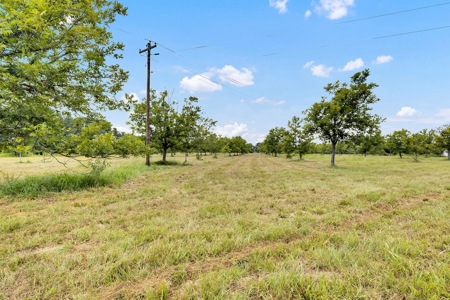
{"x": 346, "y": 114}
{"x": 55, "y": 59}
{"x": 182, "y": 130}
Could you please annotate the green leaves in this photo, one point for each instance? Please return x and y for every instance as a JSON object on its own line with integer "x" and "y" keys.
{"x": 53, "y": 59}
{"x": 173, "y": 129}
{"x": 443, "y": 138}
{"x": 346, "y": 114}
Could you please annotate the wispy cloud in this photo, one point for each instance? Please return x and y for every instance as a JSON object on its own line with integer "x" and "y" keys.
{"x": 335, "y": 9}
{"x": 308, "y": 14}
{"x": 308, "y": 64}
{"x": 321, "y": 70}
{"x": 444, "y": 112}
{"x": 281, "y": 5}
{"x": 180, "y": 69}
{"x": 353, "y": 65}
{"x": 264, "y": 100}
{"x": 383, "y": 59}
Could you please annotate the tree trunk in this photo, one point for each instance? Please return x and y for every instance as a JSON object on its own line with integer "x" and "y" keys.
{"x": 400, "y": 154}
{"x": 185, "y": 158}
{"x": 164, "y": 156}
{"x": 300, "y": 156}
{"x": 448, "y": 154}
{"x": 333, "y": 152}
{"x": 365, "y": 153}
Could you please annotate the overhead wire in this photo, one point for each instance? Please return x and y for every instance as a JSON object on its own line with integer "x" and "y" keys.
{"x": 334, "y": 24}
{"x": 211, "y": 81}
{"x": 361, "y": 40}
{"x": 238, "y": 83}
{"x": 214, "y": 83}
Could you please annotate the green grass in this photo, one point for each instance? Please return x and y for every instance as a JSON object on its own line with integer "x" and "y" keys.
{"x": 34, "y": 186}
{"x": 247, "y": 227}
{"x": 39, "y": 185}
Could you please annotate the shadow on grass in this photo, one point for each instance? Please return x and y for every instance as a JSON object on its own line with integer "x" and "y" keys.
{"x": 169, "y": 163}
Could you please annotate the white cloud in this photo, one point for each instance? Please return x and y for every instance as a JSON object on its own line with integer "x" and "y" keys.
{"x": 143, "y": 92}
{"x": 444, "y": 112}
{"x": 242, "y": 101}
{"x": 230, "y": 74}
{"x": 308, "y": 64}
{"x": 407, "y": 112}
{"x": 264, "y": 100}
{"x": 308, "y": 13}
{"x": 321, "y": 70}
{"x": 281, "y": 5}
{"x": 383, "y": 59}
{"x": 335, "y": 9}
{"x": 125, "y": 128}
{"x": 353, "y": 65}
{"x": 205, "y": 82}
{"x": 231, "y": 130}
{"x": 199, "y": 83}
{"x": 254, "y": 137}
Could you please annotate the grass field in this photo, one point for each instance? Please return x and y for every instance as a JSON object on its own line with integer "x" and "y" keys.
{"x": 247, "y": 227}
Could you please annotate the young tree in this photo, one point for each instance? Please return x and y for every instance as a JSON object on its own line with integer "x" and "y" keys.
{"x": 417, "y": 145}
{"x": 299, "y": 138}
{"x": 397, "y": 142}
{"x": 369, "y": 140}
{"x": 443, "y": 138}
{"x": 56, "y": 57}
{"x": 171, "y": 129}
{"x": 213, "y": 144}
{"x": 346, "y": 114}
{"x": 273, "y": 140}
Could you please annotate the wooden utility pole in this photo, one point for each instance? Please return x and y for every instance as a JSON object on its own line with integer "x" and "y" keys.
{"x": 147, "y": 123}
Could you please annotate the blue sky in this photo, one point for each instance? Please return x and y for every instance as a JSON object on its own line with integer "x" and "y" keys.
{"x": 267, "y": 60}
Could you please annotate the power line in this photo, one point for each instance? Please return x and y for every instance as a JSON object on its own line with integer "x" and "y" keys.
{"x": 364, "y": 40}
{"x": 393, "y": 13}
{"x": 411, "y": 32}
{"x": 236, "y": 82}
{"x": 334, "y": 24}
{"x": 209, "y": 80}
{"x": 214, "y": 83}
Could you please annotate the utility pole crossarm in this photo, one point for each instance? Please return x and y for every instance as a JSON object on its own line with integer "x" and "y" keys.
{"x": 149, "y": 47}
{"x": 147, "y": 123}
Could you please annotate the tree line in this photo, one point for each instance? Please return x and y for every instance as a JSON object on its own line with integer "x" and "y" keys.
{"x": 59, "y": 71}
{"x": 185, "y": 130}
{"x": 345, "y": 125}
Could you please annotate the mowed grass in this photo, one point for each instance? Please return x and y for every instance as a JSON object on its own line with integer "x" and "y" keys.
{"x": 247, "y": 227}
